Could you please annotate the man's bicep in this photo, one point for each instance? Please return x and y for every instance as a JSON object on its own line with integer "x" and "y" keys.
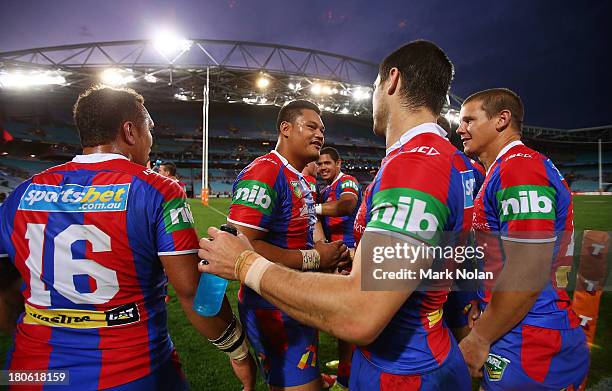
{"x": 251, "y": 233}
{"x": 182, "y": 272}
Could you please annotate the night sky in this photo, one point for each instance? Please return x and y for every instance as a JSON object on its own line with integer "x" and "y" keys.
{"x": 555, "y": 54}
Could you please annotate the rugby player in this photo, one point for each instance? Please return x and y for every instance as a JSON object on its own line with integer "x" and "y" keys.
{"x": 91, "y": 239}
{"x": 461, "y": 308}
{"x": 274, "y": 207}
{"x": 310, "y": 174}
{"x": 528, "y": 337}
{"x": 340, "y": 200}
{"x": 403, "y": 344}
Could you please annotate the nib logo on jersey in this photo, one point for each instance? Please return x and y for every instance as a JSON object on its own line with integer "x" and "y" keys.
{"x": 526, "y": 202}
{"x": 177, "y": 215}
{"x": 255, "y": 194}
{"x": 408, "y": 211}
{"x": 75, "y": 198}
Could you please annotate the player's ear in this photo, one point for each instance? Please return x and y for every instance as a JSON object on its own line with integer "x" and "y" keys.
{"x": 393, "y": 82}
{"x": 128, "y": 132}
{"x": 504, "y": 118}
{"x": 285, "y": 128}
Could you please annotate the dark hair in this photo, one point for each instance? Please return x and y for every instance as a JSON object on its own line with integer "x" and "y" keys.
{"x": 495, "y": 100}
{"x": 291, "y": 110}
{"x": 170, "y": 167}
{"x": 331, "y": 151}
{"x": 443, "y": 123}
{"x": 100, "y": 111}
{"x": 426, "y": 74}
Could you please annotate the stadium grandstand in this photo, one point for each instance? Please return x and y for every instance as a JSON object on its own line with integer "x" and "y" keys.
{"x": 247, "y": 82}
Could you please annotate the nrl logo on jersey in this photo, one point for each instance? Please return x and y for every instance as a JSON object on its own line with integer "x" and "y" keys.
{"x": 495, "y": 366}
{"x": 409, "y": 211}
{"x": 255, "y": 194}
{"x": 297, "y": 190}
{"x": 526, "y": 202}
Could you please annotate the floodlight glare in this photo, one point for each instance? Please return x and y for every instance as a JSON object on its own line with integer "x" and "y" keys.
{"x": 117, "y": 77}
{"x": 168, "y": 43}
{"x": 18, "y": 79}
{"x": 291, "y": 86}
{"x": 360, "y": 94}
{"x": 344, "y": 110}
{"x": 263, "y": 82}
{"x": 316, "y": 89}
{"x": 149, "y": 78}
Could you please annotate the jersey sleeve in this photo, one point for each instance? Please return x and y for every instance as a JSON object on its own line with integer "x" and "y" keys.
{"x": 176, "y": 234}
{"x": 349, "y": 185}
{"x": 412, "y": 205}
{"x": 525, "y": 201}
{"x": 255, "y": 196}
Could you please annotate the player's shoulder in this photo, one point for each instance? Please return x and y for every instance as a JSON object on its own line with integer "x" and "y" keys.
{"x": 347, "y": 177}
{"x": 522, "y": 165}
{"x": 264, "y": 169}
{"x": 168, "y": 187}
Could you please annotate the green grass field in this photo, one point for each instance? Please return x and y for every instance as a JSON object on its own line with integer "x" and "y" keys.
{"x": 208, "y": 369}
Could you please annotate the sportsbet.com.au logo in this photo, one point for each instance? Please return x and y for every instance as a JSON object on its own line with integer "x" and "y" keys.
{"x": 409, "y": 211}
{"x": 255, "y": 194}
{"x": 75, "y": 198}
{"x": 526, "y": 202}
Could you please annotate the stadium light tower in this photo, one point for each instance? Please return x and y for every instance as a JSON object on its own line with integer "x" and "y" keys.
{"x": 117, "y": 77}
{"x": 19, "y": 79}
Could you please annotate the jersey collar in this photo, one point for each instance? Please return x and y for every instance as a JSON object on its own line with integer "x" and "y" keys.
{"x": 286, "y": 163}
{"x": 337, "y": 177}
{"x": 428, "y": 127}
{"x": 504, "y": 151}
{"x": 97, "y": 157}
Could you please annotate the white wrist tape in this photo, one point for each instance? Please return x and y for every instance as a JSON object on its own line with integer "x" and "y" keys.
{"x": 233, "y": 341}
{"x": 311, "y": 260}
{"x": 255, "y": 274}
{"x": 319, "y": 209}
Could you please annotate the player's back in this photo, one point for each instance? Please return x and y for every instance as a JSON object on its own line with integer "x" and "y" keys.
{"x": 425, "y": 176}
{"x": 86, "y": 237}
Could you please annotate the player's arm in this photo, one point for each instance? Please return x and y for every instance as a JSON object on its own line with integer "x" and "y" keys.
{"x": 526, "y": 272}
{"x": 11, "y": 300}
{"x": 341, "y": 207}
{"x": 318, "y": 234}
{"x": 329, "y": 302}
{"x": 330, "y": 253}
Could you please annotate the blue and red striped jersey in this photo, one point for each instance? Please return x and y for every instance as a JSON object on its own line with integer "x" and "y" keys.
{"x": 419, "y": 191}
{"x": 86, "y": 237}
{"x": 312, "y": 182}
{"x": 270, "y": 195}
{"x": 525, "y": 199}
{"x": 341, "y": 227}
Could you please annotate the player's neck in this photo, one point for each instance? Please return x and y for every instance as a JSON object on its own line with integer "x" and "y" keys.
{"x": 489, "y": 154}
{"x": 295, "y": 162}
{"x": 106, "y": 148}
{"x": 402, "y": 120}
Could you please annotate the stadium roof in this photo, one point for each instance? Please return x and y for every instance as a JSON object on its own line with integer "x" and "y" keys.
{"x": 240, "y": 72}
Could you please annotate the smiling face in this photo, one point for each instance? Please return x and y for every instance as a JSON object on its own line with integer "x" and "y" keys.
{"x": 305, "y": 135}
{"x": 476, "y": 129}
{"x": 328, "y": 168}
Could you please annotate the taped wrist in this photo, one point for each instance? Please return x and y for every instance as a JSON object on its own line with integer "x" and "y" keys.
{"x": 311, "y": 260}
{"x": 233, "y": 341}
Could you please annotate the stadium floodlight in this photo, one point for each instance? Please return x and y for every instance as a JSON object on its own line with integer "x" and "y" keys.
{"x": 452, "y": 116}
{"x": 181, "y": 97}
{"x": 316, "y": 89}
{"x": 19, "y": 79}
{"x": 344, "y": 110}
{"x": 361, "y": 94}
{"x": 117, "y": 77}
{"x": 291, "y": 86}
{"x": 263, "y": 82}
{"x": 149, "y": 78}
{"x": 168, "y": 43}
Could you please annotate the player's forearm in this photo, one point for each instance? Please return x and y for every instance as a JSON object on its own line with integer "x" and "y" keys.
{"x": 209, "y": 327}
{"x": 290, "y": 258}
{"x": 503, "y": 313}
{"x": 338, "y": 208}
{"x": 316, "y": 299}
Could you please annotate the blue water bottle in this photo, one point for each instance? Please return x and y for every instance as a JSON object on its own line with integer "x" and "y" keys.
{"x": 211, "y": 289}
